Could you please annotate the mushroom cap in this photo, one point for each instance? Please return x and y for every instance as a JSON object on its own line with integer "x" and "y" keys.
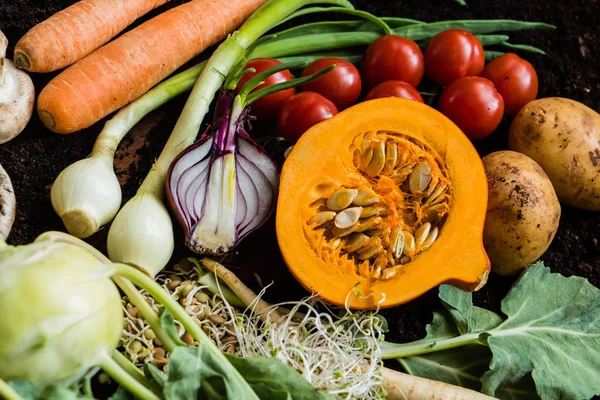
{"x": 17, "y": 97}
{"x": 8, "y": 204}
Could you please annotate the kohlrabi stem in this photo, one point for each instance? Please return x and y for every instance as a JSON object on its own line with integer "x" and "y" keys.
{"x": 393, "y": 350}
{"x": 135, "y": 297}
{"x": 117, "y": 127}
{"x": 8, "y": 393}
{"x": 128, "y": 382}
{"x": 132, "y": 370}
{"x": 160, "y": 295}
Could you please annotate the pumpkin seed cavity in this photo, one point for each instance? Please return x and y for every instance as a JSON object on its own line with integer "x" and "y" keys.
{"x": 393, "y": 215}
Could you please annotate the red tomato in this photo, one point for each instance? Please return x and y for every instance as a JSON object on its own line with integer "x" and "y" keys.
{"x": 515, "y": 79}
{"x": 392, "y": 58}
{"x": 474, "y": 104}
{"x": 267, "y": 107}
{"x": 394, "y": 89}
{"x": 301, "y": 111}
{"x": 341, "y": 86}
{"x": 452, "y": 54}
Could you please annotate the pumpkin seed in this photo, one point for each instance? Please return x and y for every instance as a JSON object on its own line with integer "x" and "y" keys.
{"x": 336, "y": 243}
{"x": 341, "y": 199}
{"x": 369, "y": 252}
{"x": 403, "y": 154}
{"x": 365, "y": 197}
{"x": 431, "y": 238}
{"x": 377, "y": 159}
{"x": 434, "y": 212}
{"x": 397, "y": 242}
{"x": 370, "y": 211}
{"x": 405, "y": 260}
{"x": 321, "y": 217}
{"x": 409, "y": 243}
{"x": 347, "y": 218}
{"x": 435, "y": 195}
{"x": 420, "y": 177}
{"x": 364, "y": 159}
{"x": 422, "y": 233}
{"x": 377, "y": 273}
{"x": 370, "y": 223}
{"x": 379, "y": 232}
{"x": 391, "y": 156}
{"x": 389, "y": 273}
{"x": 355, "y": 242}
{"x": 337, "y": 232}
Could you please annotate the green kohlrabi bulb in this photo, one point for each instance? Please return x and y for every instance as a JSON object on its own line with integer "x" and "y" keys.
{"x": 60, "y": 313}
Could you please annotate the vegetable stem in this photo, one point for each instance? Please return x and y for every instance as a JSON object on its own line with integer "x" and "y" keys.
{"x": 393, "y": 350}
{"x": 7, "y": 392}
{"x": 188, "y": 323}
{"x": 131, "y": 384}
{"x": 132, "y": 370}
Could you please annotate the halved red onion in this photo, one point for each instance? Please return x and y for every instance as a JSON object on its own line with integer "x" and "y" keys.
{"x": 223, "y": 187}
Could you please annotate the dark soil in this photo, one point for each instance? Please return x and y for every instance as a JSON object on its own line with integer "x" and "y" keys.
{"x": 570, "y": 69}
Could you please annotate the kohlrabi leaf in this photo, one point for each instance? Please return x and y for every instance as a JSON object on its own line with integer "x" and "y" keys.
{"x": 461, "y": 366}
{"x": 28, "y": 391}
{"x": 122, "y": 394}
{"x": 459, "y": 304}
{"x": 189, "y": 367}
{"x": 271, "y": 379}
{"x": 467, "y": 317}
{"x": 524, "y": 390}
{"x": 553, "y": 332}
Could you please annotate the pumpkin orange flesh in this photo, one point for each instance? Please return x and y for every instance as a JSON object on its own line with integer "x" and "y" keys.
{"x": 322, "y": 160}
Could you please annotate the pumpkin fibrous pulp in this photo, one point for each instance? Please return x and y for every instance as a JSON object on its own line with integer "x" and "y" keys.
{"x": 381, "y": 203}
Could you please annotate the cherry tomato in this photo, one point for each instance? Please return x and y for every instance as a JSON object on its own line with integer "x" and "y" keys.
{"x": 341, "y": 86}
{"x": 267, "y": 107}
{"x": 394, "y": 89}
{"x": 515, "y": 79}
{"x": 301, "y": 111}
{"x": 452, "y": 54}
{"x": 392, "y": 58}
{"x": 474, "y": 105}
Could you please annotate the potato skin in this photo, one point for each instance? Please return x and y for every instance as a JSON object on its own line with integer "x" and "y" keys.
{"x": 563, "y": 137}
{"x": 523, "y": 212}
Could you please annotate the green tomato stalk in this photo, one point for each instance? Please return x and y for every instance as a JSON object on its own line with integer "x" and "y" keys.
{"x": 142, "y": 232}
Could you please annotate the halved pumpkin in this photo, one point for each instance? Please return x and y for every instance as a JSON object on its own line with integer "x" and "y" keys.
{"x": 381, "y": 203}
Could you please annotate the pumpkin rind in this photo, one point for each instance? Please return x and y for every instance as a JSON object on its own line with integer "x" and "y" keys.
{"x": 321, "y": 161}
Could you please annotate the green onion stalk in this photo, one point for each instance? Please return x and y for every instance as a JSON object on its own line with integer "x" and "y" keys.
{"x": 62, "y": 317}
{"x": 142, "y": 232}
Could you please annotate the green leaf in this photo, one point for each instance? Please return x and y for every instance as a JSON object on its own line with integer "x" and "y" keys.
{"x": 272, "y": 379}
{"x": 154, "y": 374}
{"x": 122, "y": 394}
{"x": 63, "y": 393}
{"x": 188, "y": 366}
{"x": 553, "y": 332}
{"x": 524, "y": 390}
{"x": 27, "y": 390}
{"x": 462, "y": 366}
{"x": 167, "y": 322}
{"x": 459, "y": 304}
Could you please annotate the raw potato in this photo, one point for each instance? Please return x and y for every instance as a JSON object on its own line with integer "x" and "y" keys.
{"x": 523, "y": 211}
{"x": 563, "y": 137}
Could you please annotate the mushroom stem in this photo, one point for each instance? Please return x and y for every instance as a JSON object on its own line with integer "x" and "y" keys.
{"x": 3, "y": 46}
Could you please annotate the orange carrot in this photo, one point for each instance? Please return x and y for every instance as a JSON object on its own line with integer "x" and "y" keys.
{"x": 73, "y": 33}
{"x": 127, "y": 67}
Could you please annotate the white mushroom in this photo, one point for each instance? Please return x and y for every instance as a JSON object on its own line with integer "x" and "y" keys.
{"x": 17, "y": 96}
{"x": 7, "y": 204}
